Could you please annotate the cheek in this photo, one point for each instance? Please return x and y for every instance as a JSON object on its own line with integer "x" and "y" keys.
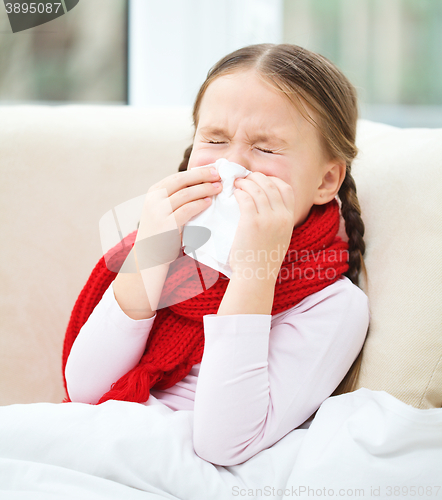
{"x": 199, "y": 158}
{"x": 278, "y": 167}
{"x": 300, "y": 172}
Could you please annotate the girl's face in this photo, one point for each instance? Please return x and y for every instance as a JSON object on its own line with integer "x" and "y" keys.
{"x": 245, "y": 120}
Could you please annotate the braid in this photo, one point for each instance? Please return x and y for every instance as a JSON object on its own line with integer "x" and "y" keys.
{"x": 354, "y": 227}
{"x": 185, "y": 162}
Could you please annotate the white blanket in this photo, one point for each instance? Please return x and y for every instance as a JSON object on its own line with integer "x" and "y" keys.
{"x": 362, "y": 444}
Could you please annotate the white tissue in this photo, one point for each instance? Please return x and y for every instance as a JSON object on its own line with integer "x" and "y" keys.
{"x": 221, "y": 218}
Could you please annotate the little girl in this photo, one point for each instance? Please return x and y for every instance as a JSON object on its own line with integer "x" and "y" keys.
{"x": 253, "y": 356}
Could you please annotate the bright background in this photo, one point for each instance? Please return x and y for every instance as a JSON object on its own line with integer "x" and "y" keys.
{"x": 157, "y": 53}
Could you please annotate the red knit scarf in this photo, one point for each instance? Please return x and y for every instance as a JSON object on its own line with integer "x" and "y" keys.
{"x": 316, "y": 258}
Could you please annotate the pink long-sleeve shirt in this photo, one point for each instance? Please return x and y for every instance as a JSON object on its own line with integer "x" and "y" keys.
{"x": 260, "y": 377}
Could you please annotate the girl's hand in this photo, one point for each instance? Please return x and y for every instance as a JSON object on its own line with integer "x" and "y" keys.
{"x": 171, "y": 203}
{"x": 168, "y": 205}
{"x": 267, "y": 206}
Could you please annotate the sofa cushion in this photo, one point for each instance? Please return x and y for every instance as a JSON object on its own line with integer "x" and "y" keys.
{"x": 61, "y": 169}
{"x": 398, "y": 174}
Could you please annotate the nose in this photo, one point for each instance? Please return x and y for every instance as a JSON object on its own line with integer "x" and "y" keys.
{"x": 239, "y": 155}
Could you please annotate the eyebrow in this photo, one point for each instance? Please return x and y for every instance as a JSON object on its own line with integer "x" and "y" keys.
{"x": 259, "y": 137}
{"x": 269, "y": 138}
{"x": 213, "y": 130}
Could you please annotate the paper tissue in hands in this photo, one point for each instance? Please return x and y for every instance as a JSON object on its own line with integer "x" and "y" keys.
{"x": 221, "y": 218}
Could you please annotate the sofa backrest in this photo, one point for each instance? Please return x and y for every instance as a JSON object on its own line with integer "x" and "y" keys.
{"x": 63, "y": 167}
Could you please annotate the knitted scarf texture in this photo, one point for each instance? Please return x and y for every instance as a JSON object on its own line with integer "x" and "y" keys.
{"x": 316, "y": 258}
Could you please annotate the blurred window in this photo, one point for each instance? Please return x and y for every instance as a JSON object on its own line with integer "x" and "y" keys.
{"x": 391, "y": 50}
{"x": 173, "y": 43}
{"x": 78, "y": 57}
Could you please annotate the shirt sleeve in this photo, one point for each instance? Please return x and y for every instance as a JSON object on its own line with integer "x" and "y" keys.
{"x": 262, "y": 377}
{"x": 108, "y": 345}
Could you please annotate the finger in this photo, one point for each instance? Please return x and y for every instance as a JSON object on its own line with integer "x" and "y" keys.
{"x": 259, "y": 189}
{"x": 193, "y": 193}
{"x": 160, "y": 210}
{"x": 286, "y": 192}
{"x": 278, "y": 192}
{"x": 181, "y": 180}
{"x": 246, "y": 202}
{"x": 185, "y": 212}
{"x": 271, "y": 189}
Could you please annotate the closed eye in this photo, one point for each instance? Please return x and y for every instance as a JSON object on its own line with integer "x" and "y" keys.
{"x": 216, "y": 142}
{"x": 266, "y": 150}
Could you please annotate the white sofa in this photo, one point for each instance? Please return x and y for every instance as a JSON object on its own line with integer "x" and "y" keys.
{"x": 63, "y": 167}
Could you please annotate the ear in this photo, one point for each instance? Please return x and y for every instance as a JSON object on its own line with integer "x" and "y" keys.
{"x": 332, "y": 179}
